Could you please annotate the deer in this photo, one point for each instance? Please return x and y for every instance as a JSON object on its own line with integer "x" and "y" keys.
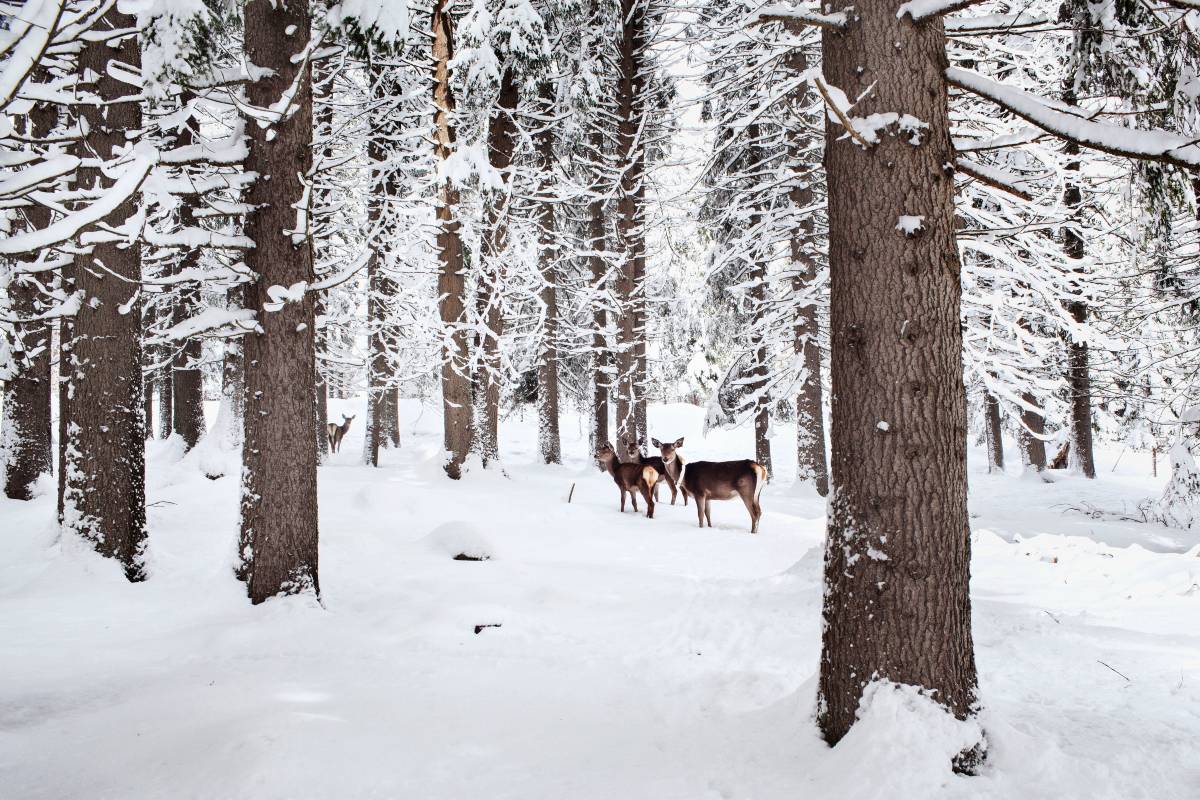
{"x": 672, "y": 465}
{"x": 337, "y": 432}
{"x": 635, "y": 447}
{"x": 631, "y": 477}
{"x": 721, "y": 480}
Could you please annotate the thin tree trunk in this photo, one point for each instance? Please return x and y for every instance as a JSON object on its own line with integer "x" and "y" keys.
{"x": 811, "y": 462}
{"x": 104, "y": 497}
{"x": 322, "y": 131}
{"x": 630, "y": 357}
{"x": 456, "y": 386}
{"x": 381, "y": 391}
{"x": 25, "y": 441}
{"x": 994, "y": 433}
{"x": 897, "y": 563}
{"x": 502, "y": 134}
{"x": 1033, "y": 426}
{"x": 187, "y": 395}
{"x": 549, "y": 438}
{"x": 1078, "y": 369}
{"x": 601, "y": 354}
{"x": 165, "y": 395}
{"x": 279, "y": 455}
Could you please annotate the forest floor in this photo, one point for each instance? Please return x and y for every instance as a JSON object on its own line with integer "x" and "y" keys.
{"x": 632, "y": 658}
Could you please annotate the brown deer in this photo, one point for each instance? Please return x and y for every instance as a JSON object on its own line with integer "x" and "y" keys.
{"x": 672, "y": 465}
{"x": 337, "y": 432}
{"x": 630, "y": 477}
{"x": 664, "y": 476}
{"x": 721, "y": 480}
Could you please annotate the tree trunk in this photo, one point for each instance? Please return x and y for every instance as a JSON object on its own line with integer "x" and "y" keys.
{"x": 322, "y": 132}
{"x": 279, "y": 454}
{"x": 456, "y": 386}
{"x": 630, "y": 360}
{"x": 811, "y": 462}
{"x": 104, "y": 497}
{"x": 1033, "y": 426}
{"x": 502, "y": 135}
{"x": 164, "y": 385}
{"x": 1078, "y": 370}
{"x": 897, "y": 562}
{"x": 994, "y": 433}
{"x": 25, "y": 441}
{"x": 381, "y": 391}
{"x": 601, "y": 354}
{"x": 549, "y": 438}
{"x": 187, "y": 395}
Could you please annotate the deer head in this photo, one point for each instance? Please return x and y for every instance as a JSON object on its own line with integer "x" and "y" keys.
{"x": 668, "y": 449}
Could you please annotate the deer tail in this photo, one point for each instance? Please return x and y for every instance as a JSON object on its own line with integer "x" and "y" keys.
{"x": 760, "y": 479}
{"x": 649, "y": 477}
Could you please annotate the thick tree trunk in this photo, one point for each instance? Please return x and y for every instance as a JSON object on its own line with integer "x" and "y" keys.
{"x": 279, "y": 454}
{"x": 456, "y": 386}
{"x": 25, "y": 441}
{"x": 630, "y": 359}
{"x": 1078, "y": 368}
{"x": 995, "y": 434}
{"x": 104, "y": 497}
{"x": 381, "y": 428}
{"x": 897, "y": 562}
{"x": 502, "y": 133}
{"x": 549, "y": 438}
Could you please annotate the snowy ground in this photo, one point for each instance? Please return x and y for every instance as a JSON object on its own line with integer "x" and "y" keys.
{"x": 636, "y": 659}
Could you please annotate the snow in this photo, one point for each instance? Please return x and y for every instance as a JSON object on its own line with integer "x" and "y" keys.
{"x": 635, "y": 658}
{"x": 909, "y": 224}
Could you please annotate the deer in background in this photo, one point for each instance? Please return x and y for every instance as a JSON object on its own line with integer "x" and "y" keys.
{"x": 338, "y": 432}
{"x": 631, "y": 477}
{"x": 721, "y": 480}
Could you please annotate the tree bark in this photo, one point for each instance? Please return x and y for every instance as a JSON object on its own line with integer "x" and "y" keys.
{"x": 1078, "y": 368}
{"x": 897, "y": 562}
{"x": 165, "y": 395}
{"x": 549, "y": 438}
{"x": 279, "y": 454}
{"x": 502, "y": 133}
{"x": 456, "y": 387}
{"x": 381, "y": 428}
{"x": 1033, "y": 426}
{"x": 187, "y": 395}
{"x": 994, "y": 433}
{"x": 601, "y": 354}
{"x": 322, "y": 132}
{"x": 25, "y": 441}
{"x": 630, "y": 358}
{"x": 104, "y": 497}
{"x": 811, "y": 462}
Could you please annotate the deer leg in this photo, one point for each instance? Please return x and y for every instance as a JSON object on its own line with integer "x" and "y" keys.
{"x": 622, "y": 501}
{"x": 751, "y": 505}
{"x": 671, "y": 486}
{"x": 649, "y": 495}
{"x": 700, "y": 501}
{"x": 708, "y": 511}
{"x": 633, "y": 499}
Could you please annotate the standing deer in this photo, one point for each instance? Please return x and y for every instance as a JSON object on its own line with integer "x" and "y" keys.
{"x": 721, "y": 480}
{"x": 673, "y": 464}
{"x": 337, "y": 432}
{"x": 664, "y": 472}
{"x": 631, "y": 477}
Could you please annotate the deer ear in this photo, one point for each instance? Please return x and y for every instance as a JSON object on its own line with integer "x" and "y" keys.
{"x": 655, "y": 442}
{"x": 679, "y": 442}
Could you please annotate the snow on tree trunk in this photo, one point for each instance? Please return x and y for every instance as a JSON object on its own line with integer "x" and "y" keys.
{"x": 995, "y": 435}
{"x": 502, "y": 133}
{"x": 1179, "y": 505}
{"x": 278, "y": 544}
{"x": 104, "y": 497}
{"x": 897, "y": 561}
{"x": 187, "y": 391}
{"x": 549, "y": 439}
{"x": 601, "y": 354}
{"x": 630, "y": 358}
{"x": 1078, "y": 371}
{"x": 456, "y": 386}
{"x": 25, "y": 443}
{"x": 1033, "y": 426}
